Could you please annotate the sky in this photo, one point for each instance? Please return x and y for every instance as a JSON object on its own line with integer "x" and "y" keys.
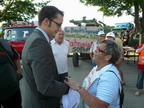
{"x": 73, "y": 9}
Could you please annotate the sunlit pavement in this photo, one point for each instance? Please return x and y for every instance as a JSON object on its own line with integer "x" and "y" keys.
{"x": 130, "y": 74}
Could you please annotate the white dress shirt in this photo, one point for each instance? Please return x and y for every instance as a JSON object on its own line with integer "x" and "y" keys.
{"x": 60, "y": 54}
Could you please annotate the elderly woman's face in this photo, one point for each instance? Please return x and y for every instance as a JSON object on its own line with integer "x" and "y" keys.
{"x": 99, "y": 52}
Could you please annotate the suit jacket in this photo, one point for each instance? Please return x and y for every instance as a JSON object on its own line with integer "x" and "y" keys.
{"x": 42, "y": 88}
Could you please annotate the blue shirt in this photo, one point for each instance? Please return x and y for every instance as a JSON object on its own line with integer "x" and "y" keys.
{"x": 106, "y": 88}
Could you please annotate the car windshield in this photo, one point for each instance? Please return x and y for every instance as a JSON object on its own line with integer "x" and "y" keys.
{"x": 122, "y": 25}
{"x": 18, "y": 34}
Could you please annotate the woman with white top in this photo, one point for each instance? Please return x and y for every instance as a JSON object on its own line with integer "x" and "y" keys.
{"x": 102, "y": 86}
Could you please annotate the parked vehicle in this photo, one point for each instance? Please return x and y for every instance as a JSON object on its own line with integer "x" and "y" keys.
{"x": 17, "y": 35}
{"x": 81, "y": 39}
{"x": 123, "y": 26}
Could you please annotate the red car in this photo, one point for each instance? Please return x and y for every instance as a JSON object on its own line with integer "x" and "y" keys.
{"x": 17, "y": 36}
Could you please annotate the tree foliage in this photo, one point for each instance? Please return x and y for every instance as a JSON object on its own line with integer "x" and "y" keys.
{"x": 119, "y": 7}
{"x": 19, "y": 10}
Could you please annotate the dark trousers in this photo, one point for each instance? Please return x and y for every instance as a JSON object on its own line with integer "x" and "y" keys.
{"x": 140, "y": 79}
{"x": 62, "y": 76}
{"x": 12, "y": 102}
{"x": 50, "y": 103}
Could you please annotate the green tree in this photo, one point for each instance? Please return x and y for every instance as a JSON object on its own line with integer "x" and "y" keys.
{"x": 119, "y": 7}
{"x": 19, "y": 10}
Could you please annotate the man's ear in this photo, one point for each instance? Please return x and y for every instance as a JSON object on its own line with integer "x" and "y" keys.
{"x": 47, "y": 22}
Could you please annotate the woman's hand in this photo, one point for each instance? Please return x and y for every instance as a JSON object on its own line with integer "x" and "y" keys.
{"x": 72, "y": 84}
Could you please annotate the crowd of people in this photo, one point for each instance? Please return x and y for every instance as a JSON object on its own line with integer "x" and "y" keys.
{"x": 45, "y": 69}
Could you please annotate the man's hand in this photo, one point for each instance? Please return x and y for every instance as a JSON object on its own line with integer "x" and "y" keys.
{"x": 19, "y": 74}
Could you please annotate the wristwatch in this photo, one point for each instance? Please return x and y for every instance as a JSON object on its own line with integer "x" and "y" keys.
{"x": 79, "y": 88}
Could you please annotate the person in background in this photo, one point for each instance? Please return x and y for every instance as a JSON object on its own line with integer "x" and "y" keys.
{"x": 10, "y": 74}
{"x": 60, "y": 48}
{"x": 112, "y": 36}
{"x": 140, "y": 78}
{"x": 41, "y": 80}
{"x": 119, "y": 62}
{"x": 101, "y": 37}
{"x": 126, "y": 38}
{"x": 100, "y": 88}
{"x": 118, "y": 40}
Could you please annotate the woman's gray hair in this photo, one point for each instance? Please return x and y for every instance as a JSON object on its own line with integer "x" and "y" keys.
{"x": 112, "y": 49}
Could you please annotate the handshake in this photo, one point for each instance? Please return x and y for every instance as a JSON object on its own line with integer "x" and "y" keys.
{"x": 73, "y": 84}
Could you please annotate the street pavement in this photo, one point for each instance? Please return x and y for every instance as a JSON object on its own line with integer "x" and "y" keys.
{"x": 130, "y": 75}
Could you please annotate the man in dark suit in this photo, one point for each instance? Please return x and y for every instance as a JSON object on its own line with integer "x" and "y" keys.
{"x": 41, "y": 80}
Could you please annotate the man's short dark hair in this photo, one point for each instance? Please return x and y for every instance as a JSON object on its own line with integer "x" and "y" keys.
{"x": 49, "y": 12}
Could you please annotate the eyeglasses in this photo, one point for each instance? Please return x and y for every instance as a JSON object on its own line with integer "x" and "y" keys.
{"x": 99, "y": 50}
{"x": 59, "y": 25}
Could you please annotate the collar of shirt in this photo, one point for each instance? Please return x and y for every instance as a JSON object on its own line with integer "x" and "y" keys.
{"x": 44, "y": 33}
{"x": 54, "y": 41}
